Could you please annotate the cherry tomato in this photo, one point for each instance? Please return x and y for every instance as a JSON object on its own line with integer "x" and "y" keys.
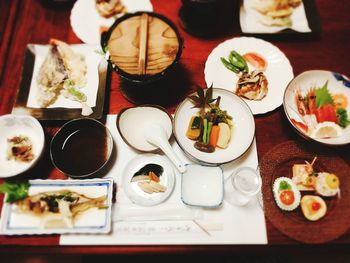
{"x": 315, "y": 206}
{"x": 287, "y": 197}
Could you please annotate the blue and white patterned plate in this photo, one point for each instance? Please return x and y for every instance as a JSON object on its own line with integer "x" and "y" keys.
{"x": 93, "y": 220}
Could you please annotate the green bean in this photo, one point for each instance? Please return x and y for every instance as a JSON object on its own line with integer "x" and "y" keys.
{"x": 205, "y": 128}
{"x": 240, "y": 60}
{"x": 234, "y": 61}
{"x": 229, "y": 66}
{"x": 210, "y": 126}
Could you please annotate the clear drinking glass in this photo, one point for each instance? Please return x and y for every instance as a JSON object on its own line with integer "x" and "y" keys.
{"x": 242, "y": 186}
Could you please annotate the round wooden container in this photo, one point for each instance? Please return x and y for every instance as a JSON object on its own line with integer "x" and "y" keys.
{"x": 143, "y": 46}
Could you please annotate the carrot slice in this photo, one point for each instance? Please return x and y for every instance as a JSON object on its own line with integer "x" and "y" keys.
{"x": 103, "y": 29}
{"x": 214, "y": 135}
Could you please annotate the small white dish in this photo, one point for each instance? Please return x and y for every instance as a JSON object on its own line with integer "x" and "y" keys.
{"x": 93, "y": 220}
{"x": 86, "y": 21}
{"x": 337, "y": 84}
{"x": 135, "y": 193}
{"x": 243, "y": 130}
{"x": 16, "y": 125}
{"x": 279, "y": 72}
{"x": 202, "y": 186}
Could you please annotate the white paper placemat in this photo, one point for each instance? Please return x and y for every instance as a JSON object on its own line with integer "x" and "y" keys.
{"x": 249, "y": 20}
{"x": 92, "y": 60}
{"x": 172, "y": 222}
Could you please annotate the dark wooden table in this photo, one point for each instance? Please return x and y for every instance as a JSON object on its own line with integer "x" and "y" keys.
{"x": 23, "y": 22}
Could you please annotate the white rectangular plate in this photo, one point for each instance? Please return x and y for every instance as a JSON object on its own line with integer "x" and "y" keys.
{"x": 93, "y": 220}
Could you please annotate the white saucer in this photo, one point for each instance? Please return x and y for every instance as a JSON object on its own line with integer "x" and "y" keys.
{"x": 135, "y": 193}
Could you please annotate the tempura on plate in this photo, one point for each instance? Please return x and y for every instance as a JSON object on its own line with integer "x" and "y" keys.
{"x": 62, "y": 72}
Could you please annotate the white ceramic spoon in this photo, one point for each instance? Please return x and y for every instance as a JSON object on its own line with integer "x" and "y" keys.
{"x": 157, "y": 136}
{"x": 147, "y": 128}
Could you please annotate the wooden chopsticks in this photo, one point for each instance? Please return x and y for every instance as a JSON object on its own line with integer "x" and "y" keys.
{"x": 143, "y": 44}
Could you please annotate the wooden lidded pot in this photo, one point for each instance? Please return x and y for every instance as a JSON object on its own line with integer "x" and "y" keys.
{"x": 142, "y": 47}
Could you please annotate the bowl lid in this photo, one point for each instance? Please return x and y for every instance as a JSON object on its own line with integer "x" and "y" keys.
{"x": 142, "y": 46}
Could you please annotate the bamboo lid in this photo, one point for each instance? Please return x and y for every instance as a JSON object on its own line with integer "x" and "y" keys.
{"x": 143, "y": 44}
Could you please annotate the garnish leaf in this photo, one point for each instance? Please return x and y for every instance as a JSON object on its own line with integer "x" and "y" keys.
{"x": 343, "y": 119}
{"x": 14, "y": 191}
{"x": 323, "y": 96}
{"x": 202, "y": 99}
{"x": 284, "y": 185}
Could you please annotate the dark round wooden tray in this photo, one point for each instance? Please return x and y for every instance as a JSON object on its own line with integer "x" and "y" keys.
{"x": 279, "y": 162}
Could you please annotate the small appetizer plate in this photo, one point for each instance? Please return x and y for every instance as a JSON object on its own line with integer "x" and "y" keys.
{"x": 317, "y": 104}
{"x": 86, "y": 22}
{"x": 141, "y": 166}
{"x": 12, "y": 126}
{"x": 202, "y": 186}
{"x": 279, "y": 162}
{"x": 278, "y": 71}
{"x": 242, "y": 132}
{"x": 17, "y": 219}
{"x": 81, "y": 148}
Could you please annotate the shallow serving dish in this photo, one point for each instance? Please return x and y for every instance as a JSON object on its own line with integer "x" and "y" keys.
{"x": 202, "y": 186}
{"x": 278, "y": 71}
{"x": 242, "y": 133}
{"x": 81, "y": 148}
{"x": 135, "y": 193}
{"x": 279, "y": 161}
{"x": 337, "y": 84}
{"x": 93, "y": 220}
{"x": 15, "y": 125}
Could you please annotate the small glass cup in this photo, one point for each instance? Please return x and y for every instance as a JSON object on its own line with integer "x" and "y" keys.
{"x": 242, "y": 186}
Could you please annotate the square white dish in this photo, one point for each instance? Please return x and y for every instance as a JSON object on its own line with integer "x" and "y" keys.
{"x": 93, "y": 220}
{"x": 202, "y": 186}
{"x": 250, "y": 20}
{"x": 63, "y": 108}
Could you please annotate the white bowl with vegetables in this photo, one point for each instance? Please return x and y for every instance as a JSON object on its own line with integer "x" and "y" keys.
{"x": 21, "y": 144}
{"x": 214, "y": 126}
{"x": 317, "y": 105}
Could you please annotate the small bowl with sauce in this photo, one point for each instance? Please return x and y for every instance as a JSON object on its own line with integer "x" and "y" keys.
{"x": 81, "y": 148}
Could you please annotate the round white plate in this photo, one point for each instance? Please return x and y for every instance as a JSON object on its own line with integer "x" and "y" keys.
{"x": 279, "y": 72}
{"x": 86, "y": 21}
{"x": 135, "y": 193}
{"x": 242, "y": 134}
{"x": 15, "y": 125}
{"x": 317, "y": 78}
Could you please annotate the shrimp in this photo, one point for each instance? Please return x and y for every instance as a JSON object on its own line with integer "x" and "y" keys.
{"x": 309, "y": 166}
{"x": 300, "y": 102}
{"x": 311, "y": 99}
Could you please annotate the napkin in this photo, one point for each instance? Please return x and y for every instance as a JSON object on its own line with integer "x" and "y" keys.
{"x": 249, "y": 20}
{"x": 172, "y": 222}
